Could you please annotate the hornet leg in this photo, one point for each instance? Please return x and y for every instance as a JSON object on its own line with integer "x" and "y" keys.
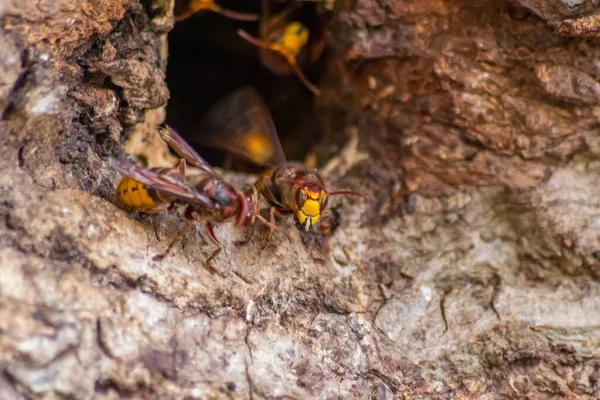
{"x": 191, "y": 222}
{"x": 272, "y": 227}
{"x": 271, "y": 223}
{"x": 213, "y": 238}
{"x": 179, "y": 235}
{"x": 245, "y": 241}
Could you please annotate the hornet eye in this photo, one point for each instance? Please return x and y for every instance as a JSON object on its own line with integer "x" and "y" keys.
{"x": 300, "y": 198}
{"x": 324, "y": 202}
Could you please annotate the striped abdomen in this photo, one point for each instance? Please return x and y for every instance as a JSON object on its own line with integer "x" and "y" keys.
{"x": 136, "y": 196}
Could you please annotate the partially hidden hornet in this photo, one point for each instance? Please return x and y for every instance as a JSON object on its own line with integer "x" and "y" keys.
{"x": 242, "y": 125}
{"x": 211, "y": 199}
{"x": 195, "y": 6}
{"x": 282, "y": 44}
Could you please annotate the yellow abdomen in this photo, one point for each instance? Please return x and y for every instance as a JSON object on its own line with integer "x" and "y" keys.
{"x": 134, "y": 195}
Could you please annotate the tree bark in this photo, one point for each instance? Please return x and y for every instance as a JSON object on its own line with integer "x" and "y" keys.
{"x": 471, "y": 272}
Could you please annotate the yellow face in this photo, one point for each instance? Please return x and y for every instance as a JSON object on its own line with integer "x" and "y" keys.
{"x": 295, "y": 35}
{"x": 310, "y": 204}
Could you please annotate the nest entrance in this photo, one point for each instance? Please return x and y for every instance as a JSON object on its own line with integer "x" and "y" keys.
{"x": 208, "y": 60}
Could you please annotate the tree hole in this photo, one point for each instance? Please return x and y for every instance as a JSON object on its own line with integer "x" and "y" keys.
{"x": 208, "y": 61}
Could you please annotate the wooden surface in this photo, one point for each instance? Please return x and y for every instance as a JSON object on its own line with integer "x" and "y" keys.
{"x": 472, "y": 271}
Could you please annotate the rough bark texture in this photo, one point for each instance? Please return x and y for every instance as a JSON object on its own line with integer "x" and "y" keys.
{"x": 486, "y": 112}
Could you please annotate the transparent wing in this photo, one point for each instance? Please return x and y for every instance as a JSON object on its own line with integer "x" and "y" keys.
{"x": 164, "y": 183}
{"x": 184, "y": 150}
{"x": 242, "y": 124}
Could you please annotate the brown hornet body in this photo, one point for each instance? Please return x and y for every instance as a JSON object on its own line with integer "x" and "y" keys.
{"x": 242, "y": 124}
{"x": 212, "y": 199}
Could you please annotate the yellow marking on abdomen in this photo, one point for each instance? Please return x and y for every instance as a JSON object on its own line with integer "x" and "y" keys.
{"x": 123, "y": 191}
{"x": 145, "y": 196}
{"x": 134, "y": 195}
{"x": 260, "y": 148}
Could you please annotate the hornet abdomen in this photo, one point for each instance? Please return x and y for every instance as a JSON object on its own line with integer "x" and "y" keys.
{"x": 137, "y": 197}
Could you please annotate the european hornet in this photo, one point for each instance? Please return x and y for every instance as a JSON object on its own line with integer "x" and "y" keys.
{"x": 211, "y": 199}
{"x": 281, "y": 44}
{"x": 195, "y": 6}
{"x": 242, "y": 125}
